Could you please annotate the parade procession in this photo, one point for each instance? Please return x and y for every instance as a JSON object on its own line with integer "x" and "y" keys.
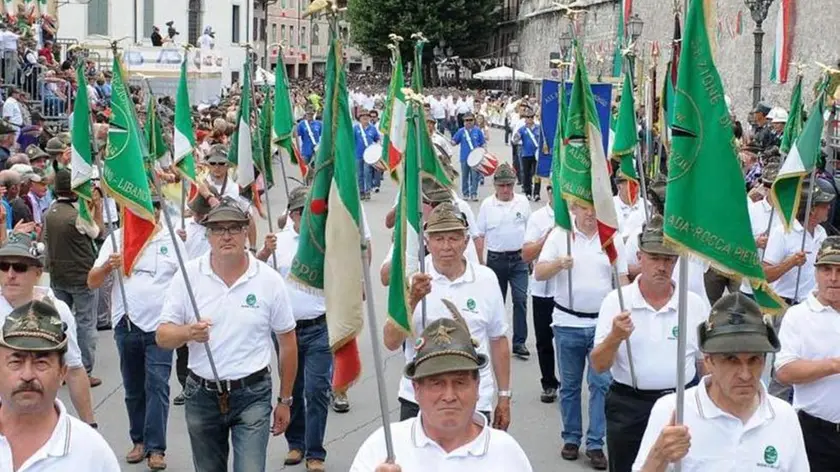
{"x": 588, "y": 264}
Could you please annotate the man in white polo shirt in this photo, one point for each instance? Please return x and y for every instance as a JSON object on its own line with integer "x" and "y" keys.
{"x": 730, "y": 423}
{"x": 242, "y": 303}
{"x": 574, "y": 326}
{"x": 474, "y": 290}
{"x": 311, "y": 392}
{"x": 447, "y": 434}
{"x": 539, "y": 227}
{"x": 20, "y": 269}
{"x": 36, "y": 433}
{"x": 761, "y": 212}
{"x": 649, "y": 322}
{"x": 145, "y": 366}
{"x": 501, "y": 224}
{"x": 810, "y": 360}
{"x": 631, "y": 213}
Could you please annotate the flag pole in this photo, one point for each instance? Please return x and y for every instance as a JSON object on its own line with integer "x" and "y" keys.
{"x": 169, "y": 226}
{"x": 682, "y": 321}
{"x": 637, "y": 151}
{"x": 562, "y": 96}
{"x": 183, "y": 203}
{"x": 421, "y": 250}
{"x": 260, "y": 145}
{"x": 621, "y": 305}
{"x": 808, "y": 205}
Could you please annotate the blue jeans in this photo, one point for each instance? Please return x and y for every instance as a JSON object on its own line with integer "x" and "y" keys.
{"x": 469, "y": 180}
{"x": 511, "y": 269}
{"x": 145, "y": 370}
{"x": 247, "y": 424}
{"x": 311, "y": 392}
{"x": 376, "y": 177}
{"x": 363, "y": 172}
{"x": 80, "y": 300}
{"x": 574, "y": 346}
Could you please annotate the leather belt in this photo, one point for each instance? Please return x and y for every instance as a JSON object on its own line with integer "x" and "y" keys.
{"x": 518, "y": 252}
{"x": 313, "y": 322}
{"x": 579, "y": 314}
{"x": 639, "y": 393}
{"x": 230, "y": 385}
{"x": 818, "y": 423}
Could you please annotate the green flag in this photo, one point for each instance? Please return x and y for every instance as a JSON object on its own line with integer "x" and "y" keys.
{"x": 393, "y": 118}
{"x": 284, "y": 120}
{"x": 800, "y": 161}
{"x": 618, "y": 56}
{"x": 328, "y": 258}
{"x": 124, "y": 173}
{"x": 794, "y": 124}
{"x": 701, "y": 163}
{"x": 627, "y": 138}
{"x": 241, "y": 153}
{"x": 577, "y": 165}
{"x": 81, "y": 160}
{"x": 561, "y": 208}
{"x": 266, "y": 129}
{"x": 184, "y": 137}
{"x": 154, "y": 131}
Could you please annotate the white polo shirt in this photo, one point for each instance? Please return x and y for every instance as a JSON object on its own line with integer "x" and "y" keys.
{"x": 197, "y": 243}
{"x": 73, "y": 356}
{"x": 244, "y": 316}
{"x": 477, "y": 296}
{"x": 305, "y": 305}
{"x": 696, "y": 269}
{"x": 781, "y": 245}
{"x": 503, "y": 223}
{"x": 540, "y": 223}
{"x": 760, "y": 212}
{"x": 152, "y": 273}
{"x": 629, "y": 213}
{"x": 493, "y": 450}
{"x": 72, "y": 446}
{"x": 770, "y": 440}
{"x": 654, "y": 338}
{"x": 810, "y": 331}
{"x": 592, "y": 275}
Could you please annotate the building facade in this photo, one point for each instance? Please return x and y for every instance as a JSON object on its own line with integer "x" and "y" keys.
{"x": 542, "y": 22}
{"x": 306, "y": 41}
{"x": 231, "y": 20}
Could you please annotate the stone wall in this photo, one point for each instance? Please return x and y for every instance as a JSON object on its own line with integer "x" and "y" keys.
{"x": 814, "y": 39}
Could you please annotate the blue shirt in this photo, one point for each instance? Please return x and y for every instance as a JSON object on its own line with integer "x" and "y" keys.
{"x": 307, "y": 147}
{"x": 529, "y": 147}
{"x": 9, "y": 217}
{"x": 476, "y": 136}
{"x": 372, "y": 136}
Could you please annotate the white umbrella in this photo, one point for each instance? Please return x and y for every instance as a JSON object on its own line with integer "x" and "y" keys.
{"x": 502, "y": 73}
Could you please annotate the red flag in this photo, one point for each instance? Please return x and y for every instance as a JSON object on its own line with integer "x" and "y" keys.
{"x": 137, "y": 232}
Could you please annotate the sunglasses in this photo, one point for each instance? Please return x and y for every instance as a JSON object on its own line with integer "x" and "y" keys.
{"x": 19, "y": 267}
{"x": 219, "y": 164}
{"x": 468, "y": 121}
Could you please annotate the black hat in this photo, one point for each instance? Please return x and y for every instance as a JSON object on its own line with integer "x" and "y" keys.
{"x": 736, "y": 325}
{"x": 63, "y": 180}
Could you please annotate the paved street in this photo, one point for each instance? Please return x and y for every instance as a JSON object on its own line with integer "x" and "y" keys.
{"x": 535, "y": 425}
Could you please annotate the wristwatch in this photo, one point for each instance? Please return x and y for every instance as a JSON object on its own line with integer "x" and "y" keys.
{"x": 505, "y": 394}
{"x": 285, "y": 401}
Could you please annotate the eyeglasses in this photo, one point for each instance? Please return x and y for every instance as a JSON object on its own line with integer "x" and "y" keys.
{"x": 218, "y": 164}
{"x": 19, "y": 267}
{"x": 468, "y": 121}
{"x": 221, "y": 230}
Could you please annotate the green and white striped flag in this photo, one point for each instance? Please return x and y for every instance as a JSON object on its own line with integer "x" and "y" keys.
{"x": 184, "y": 140}
{"x": 81, "y": 157}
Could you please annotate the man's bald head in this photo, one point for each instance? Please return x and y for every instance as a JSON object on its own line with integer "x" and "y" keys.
{"x": 19, "y": 158}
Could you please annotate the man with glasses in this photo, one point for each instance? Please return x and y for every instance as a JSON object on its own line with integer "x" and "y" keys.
{"x": 502, "y": 220}
{"x": 21, "y": 266}
{"x": 468, "y": 138}
{"x": 246, "y": 302}
{"x": 219, "y": 179}
{"x": 145, "y": 366}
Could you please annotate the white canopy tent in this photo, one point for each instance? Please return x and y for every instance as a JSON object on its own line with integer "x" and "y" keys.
{"x": 263, "y": 77}
{"x": 503, "y": 73}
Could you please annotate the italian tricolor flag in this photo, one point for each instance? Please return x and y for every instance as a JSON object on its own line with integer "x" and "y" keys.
{"x": 396, "y": 126}
{"x": 184, "y": 139}
{"x": 781, "y": 48}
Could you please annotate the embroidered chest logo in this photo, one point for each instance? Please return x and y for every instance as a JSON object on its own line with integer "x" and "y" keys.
{"x": 251, "y": 300}
{"x": 164, "y": 250}
{"x": 675, "y": 331}
{"x": 471, "y": 305}
{"x": 771, "y": 456}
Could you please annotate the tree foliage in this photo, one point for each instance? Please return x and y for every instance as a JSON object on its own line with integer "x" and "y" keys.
{"x": 465, "y": 25}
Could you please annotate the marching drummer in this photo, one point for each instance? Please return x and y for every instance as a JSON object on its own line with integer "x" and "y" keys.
{"x": 366, "y": 135}
{"x": 469, "y": 138}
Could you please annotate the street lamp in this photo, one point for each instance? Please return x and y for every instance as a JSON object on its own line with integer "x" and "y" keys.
{"x": 635, "y": 26}
{"x": 513, "y": 49}
{"x": 565, "y": 46}
{"x": 758, "y": 11}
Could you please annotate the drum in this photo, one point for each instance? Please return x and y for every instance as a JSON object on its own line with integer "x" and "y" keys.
{"x": 373, "y": 157}
{"x": 483, "y": 161}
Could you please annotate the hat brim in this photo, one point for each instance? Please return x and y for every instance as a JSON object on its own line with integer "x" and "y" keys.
{"x": 738, "y": 342}
{"x": 658, "y": 249}
{"x": 828, "y": 260}
{"x": 504, "y": 180}
{"x": 444, "y": 365}
{"x": 9, "y": 252}
{"x": 446, "y": 228}
{"x": 31, "y": 344}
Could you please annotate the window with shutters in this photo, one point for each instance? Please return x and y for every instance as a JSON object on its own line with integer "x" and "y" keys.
{"x": 148, "y": 17}
{"x": 292, "y": 37}
{"x": 234, "y": 30}
{"x": 274, "y": 32}
{"x": 303, "y": 38}
{"x": 97, "y": 17}
{"x": 283, "y": 33}
{"x": 194, "y": 27}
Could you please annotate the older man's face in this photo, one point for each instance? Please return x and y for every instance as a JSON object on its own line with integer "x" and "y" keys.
{"x": 448, "y": 246}
{"x": 737, "y": 375}
{"x": 29, "y": 381}
{"x": 447, "y": 401}
{"x": 227, "y": 239}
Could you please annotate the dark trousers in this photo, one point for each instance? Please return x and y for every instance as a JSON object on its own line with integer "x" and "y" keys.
{"x": 517, "y": 164}
{"x": 311, "y": 392}
{"x": 145, "y": 370}
{"x": 411, "y": 410}
{"x": 182, "y": 359}
{"x": 529, "y": 169}
{"x": 822, "y": 443}
{"x": 511, "y": 269}
{"x": 627, "y": 418}
{"x": 543, "y": 307}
